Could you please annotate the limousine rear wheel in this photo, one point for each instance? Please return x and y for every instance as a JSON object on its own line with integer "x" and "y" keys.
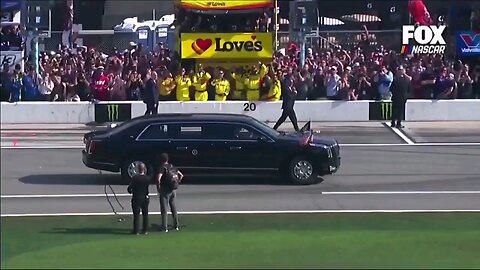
{"x": 130, "y": 168}
{"x": 301, "y": 171}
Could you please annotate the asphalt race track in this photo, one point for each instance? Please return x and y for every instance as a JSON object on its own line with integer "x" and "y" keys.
{"x": 429, "y": 166}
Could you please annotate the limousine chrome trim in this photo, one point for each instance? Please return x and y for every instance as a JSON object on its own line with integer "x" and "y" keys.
{"x": 227, "y": 168}
{"x": 209, "y": 122}
{"x": 104, "y": 163}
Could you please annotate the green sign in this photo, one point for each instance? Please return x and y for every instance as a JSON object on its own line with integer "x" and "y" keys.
{"x": 386, "y": 110}
{"x": 380, "y": 110}
{"x": 112, "y": 112}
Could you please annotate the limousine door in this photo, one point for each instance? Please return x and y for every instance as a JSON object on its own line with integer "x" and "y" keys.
{"x": 190, "y": 150}
{"x": 250, "y": 149}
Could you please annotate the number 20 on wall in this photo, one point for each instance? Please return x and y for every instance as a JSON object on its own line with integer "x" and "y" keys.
{"x": 249, "y": 107}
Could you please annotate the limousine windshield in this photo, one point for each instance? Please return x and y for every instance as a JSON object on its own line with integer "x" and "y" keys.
{"x": 268, "y": 129}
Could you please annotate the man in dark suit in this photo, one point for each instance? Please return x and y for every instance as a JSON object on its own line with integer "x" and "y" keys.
{"x": 289, "y": 93}
{"x": 151, "y": 94}
{"x": 400, "y": 88}
{"x": 140, "y": 200}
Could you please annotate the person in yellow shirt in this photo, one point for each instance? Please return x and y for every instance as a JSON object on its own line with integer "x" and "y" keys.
{"x": 239, "y": 77}
{"x": 199, "y": 81}
{"x": 222, "y": 87}
{"x": 275, "y": 92}
{"x": 166, "y": 85}
{"x": 183, "y": 86}
{"x": 252, "y": 82}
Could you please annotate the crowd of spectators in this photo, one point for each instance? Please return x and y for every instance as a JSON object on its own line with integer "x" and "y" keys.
{"x": 361, "y": 72}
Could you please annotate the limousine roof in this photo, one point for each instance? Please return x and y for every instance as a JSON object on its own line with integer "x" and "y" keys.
{"x": 224, "y": 117}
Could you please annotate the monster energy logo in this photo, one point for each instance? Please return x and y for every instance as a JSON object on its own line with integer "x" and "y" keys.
{"x": 386, "y": 110}
{"x": 112, "y": 110}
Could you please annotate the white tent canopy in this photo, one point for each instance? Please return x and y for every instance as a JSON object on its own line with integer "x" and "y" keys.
{"x": 329, "y": 21}
{"x": 321, "y": 20}
{"x": 362, "y": 18}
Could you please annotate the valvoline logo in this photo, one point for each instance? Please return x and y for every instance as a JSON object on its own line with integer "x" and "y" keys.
{"x": 468, "y": 43}
{"x": 200, "y": 46}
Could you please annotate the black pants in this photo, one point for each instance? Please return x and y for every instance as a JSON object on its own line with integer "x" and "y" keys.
{"x": 138, "y": 205}
{"x": 290, "y": 113}
{"x": 152, "y": 108}
{"x": 398, "y": 110}
{"x": 167, "y": 198}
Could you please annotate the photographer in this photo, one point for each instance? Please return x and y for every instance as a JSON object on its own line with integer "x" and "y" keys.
{"x": 364, "y": 85}
{"x": 134, "y": 86}
{"x": 332, "y": 83}
{"x": 465, "y": 84}
{"x": 140, "y": 199}
{"x": 168, "y": 179}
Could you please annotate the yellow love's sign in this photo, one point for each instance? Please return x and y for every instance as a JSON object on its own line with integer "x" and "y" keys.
{"x": 226, "y": 45}
{"x": 224, "y": 5}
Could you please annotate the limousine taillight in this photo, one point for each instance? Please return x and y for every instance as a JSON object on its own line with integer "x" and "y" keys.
{"x": 92, "y": 146}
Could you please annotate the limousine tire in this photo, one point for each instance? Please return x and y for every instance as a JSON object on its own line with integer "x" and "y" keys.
{"x": 301, "y": 171}
{"x": 128, "y": 168}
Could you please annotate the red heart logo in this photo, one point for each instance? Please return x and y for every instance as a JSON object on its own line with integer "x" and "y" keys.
{"x": 201, "y": 45}
{"x": 254, "y": 37}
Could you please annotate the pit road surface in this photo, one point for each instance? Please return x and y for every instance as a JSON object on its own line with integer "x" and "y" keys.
{"x": 438, "y": 170}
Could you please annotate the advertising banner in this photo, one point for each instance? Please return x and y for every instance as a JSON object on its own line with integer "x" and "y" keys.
{"x": 468, "y": 43}
{"x": 11, "y": 58}
{"x": 108, "y": 113}
{"x": 381, "y": 110}
{"x": 226, "y": 45}
{"x": 224, "y": 5}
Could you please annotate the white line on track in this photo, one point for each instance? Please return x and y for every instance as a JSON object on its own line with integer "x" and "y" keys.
{"x": 97, "y": 195}
{"x": 400, "y": 192}
{"x": 249, "y": 212}
{"x": 399, "y": 134}
{"x": 341, "y": 145}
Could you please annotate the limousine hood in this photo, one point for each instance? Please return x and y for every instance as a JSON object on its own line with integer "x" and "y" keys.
{"x": 317, "y": 139}
{"x": 308, "y": 137}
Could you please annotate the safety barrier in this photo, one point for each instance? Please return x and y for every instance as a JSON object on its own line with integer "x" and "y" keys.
{"x": 443, "y": 110}
{"x": 338, "y": 111}
{"x": 47, "y": 112}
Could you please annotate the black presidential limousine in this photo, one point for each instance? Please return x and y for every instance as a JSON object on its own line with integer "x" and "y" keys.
{"x": 228, "y": 142}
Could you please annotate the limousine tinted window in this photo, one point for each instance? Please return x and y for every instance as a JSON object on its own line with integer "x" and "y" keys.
{"x": 155, "y": 132}
{"x": 210, "y": 131}
{"x": 245, "y": 133}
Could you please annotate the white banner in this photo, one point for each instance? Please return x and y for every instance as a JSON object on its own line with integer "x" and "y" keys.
{"x": 11, "y": 58}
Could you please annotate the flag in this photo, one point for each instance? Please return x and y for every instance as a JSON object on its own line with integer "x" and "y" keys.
{"x": 419, "y": 12}
{"x": 306, "y": 127}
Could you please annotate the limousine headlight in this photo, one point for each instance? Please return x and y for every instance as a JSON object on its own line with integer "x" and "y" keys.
{"x": 328, "y": 149}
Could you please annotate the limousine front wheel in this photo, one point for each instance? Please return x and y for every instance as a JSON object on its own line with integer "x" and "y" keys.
{"x": 301, "y": 171}
{"x": 130, "y": 168}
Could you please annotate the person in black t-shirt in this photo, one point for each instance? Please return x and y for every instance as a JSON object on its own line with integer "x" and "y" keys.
{"x": 140, "y": 200}
{"x": 166, "y": 193}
